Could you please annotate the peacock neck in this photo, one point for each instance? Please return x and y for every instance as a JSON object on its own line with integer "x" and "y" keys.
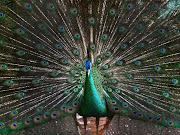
{"x": 93, "y": 105}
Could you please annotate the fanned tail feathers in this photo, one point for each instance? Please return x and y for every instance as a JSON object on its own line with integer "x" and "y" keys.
{"x": 133, "y": 45}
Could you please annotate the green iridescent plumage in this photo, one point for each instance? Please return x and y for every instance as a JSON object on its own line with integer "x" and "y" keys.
{"x": 93, "y": 104}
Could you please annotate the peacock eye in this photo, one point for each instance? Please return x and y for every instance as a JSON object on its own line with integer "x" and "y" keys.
{"x": 50, "y": 6}
{"x": 130, "y": 6}
{"x": 2, "y": 125}
{"x": 112, "y": 11}
{"x": 28, "y": 6}
{"x": 91, "y": 20}
{"x": 74, "y": 11}
{"x": 170, "y": 123}
{"x": 1, "y": 14}
{"x": 108, "y": 53}
{"x": 104, "y": 36}
{"x": 134, "y": 112}
{"x": 175, "y": 81}
{"x": 77, "y": 35}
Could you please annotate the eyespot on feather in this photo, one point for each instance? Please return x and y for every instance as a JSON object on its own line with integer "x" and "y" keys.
{"x": 42, "y": 27}
{"x": 20, "y": 31}
{"x": 25, "y": 69}
{"x": 40, "y": 46}
{"x": 8, "y": 83}
{"x": 28, "y": 6}
{"x": 63, "y": 107}
{"x": 122, "y": 29}
{"x": 112, "y": 11}
{"x": 2, "y": 15}
{"x": 113, "y": 102}
{"x": 35, "y": 81}
{"x": 120, "y": 63}
{"x": 150, "y": 80}
{"x": 61, "y": 28}
{"x": 15, "y": 125}
{"x": 133, "y": 113}
{"x": 155, "y": 5}
{"x": 74, "y": 11}
{"x": 71, "y": 110}
{"x": 63, "y": 61}
{"x": 20, "y": 53}
{"x": 172, "y": 109}
{"x": 115, "y": 109}
{"x": 149, "y": 118}
{"x": 136, "y": 89}
{"x": 77, "y": 35}
{"x": 109, "y": 89}
{"x": 39, "y": 109}
{"x": 175, "y": 81}
{"x": 55, "y": 115}
{"x": 28, "y": 122}
{"x": 76, "y": 104}
{"x": 44, "y": 63}
{"x": 104, "y": 36}
{"x": 157, "y": 68}
{"x": 91, "y": 20}
{"x": 75, "y": 90}
{"x": 149, "y": 101}
{"x": 3, "y": 67}
{"x": 93, "y": 47}
{"x": 46, "y": 116}
{"x": 70, "y": 80}
{"x": 54, "y": 74}
{"x": 108, "y": 53}
{"x": 130, "y": 5}
{"x": 49, "y": 89}
{"x": 58, "y": 46}
{"x": 124, "y": 105}
{"x": 2, "y": 125}
{"x": 140, "y": 115}
{"x": 76, "y": 52}
{"x": 98, "y": 61}
{"x": 170, "y": 123}
{"x": 166, "y": 95}
{"x": 124, "y": 46}
{"x": 158, "y": 120}
{"x": 66, "y": 92}
{"x": 14, "y": 113}
{"x": 20, "y": 94}
{"x": 110, "y": 74}
{"x": 38, "y": 119}
{"x": 118, "y": 91}
{"x": 78, "y": 65}
{"x": 50, "y": 6}
{"x": 130, "y": 76}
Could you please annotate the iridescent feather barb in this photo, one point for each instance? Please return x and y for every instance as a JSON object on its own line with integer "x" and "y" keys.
{"x": 95, "y": 58}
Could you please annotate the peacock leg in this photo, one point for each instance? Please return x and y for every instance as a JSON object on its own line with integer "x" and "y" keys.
{"x": 97, "y": 124}
{"x": 85, "y": 123}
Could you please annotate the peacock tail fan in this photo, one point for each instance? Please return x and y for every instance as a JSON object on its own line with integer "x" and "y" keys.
{"x": 133, "y": 47}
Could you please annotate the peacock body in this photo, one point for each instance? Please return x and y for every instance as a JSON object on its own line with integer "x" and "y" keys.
{"x": 93, "y": 58}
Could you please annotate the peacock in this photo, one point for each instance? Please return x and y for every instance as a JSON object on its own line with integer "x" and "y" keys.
{"x": 91, "y": 60}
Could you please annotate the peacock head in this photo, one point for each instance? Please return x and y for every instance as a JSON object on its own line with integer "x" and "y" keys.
{"x": 88, "y": 66}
